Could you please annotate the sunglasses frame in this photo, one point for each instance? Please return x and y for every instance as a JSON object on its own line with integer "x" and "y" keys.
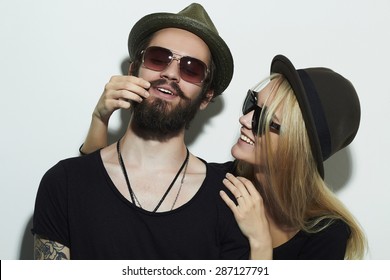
{"x": 179, "y": 58}
{"x": 250, "y": 104}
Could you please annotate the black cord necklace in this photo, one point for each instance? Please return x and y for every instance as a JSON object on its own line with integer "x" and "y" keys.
{"x": 132, "y": 194}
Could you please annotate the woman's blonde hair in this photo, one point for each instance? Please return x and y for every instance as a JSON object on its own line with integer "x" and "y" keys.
{"x": 295, "y": 195}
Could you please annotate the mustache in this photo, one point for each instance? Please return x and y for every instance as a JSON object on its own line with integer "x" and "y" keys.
{"x": 173, "y": 85}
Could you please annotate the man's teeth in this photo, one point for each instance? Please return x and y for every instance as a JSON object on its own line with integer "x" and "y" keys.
{"x": 246, "y": 139}
{"x": 165, "y": 91}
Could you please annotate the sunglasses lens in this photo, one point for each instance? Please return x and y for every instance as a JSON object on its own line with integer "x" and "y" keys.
{"x": 255, "y": 120}
{"x": 156, "y": 58}
{"x": 249, "y": 102}
{"x": 191, "y": 69}
{"x": 258, "y": 125}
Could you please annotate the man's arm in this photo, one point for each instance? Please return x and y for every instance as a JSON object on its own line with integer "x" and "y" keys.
{"x": 45, "y": 249}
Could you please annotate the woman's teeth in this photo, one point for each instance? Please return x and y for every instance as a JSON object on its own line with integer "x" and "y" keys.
{"x": 246, "y": 139}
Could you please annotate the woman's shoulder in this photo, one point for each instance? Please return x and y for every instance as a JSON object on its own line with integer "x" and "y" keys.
{"x": 333, "y": 227}
{"x": 328, "y": 241}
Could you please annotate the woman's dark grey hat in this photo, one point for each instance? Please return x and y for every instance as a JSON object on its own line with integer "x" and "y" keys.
{"x": 329, "y": 103}
{"x": 195, "y": 19}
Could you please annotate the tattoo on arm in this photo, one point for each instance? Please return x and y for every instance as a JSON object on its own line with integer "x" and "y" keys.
{"x": 49, "y": 250}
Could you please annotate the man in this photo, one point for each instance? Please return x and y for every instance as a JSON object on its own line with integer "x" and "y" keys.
{"x": 146, "y": 196}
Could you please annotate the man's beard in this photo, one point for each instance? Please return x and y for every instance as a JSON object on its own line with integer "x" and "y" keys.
{"x": 155, "y": 118}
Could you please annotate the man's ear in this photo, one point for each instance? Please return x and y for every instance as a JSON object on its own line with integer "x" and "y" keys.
{"x": 205, "y": 103}
{"x": 131, "y": 68}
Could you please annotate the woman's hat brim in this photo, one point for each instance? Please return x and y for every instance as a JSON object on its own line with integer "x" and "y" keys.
{"x": 282, "y": 65}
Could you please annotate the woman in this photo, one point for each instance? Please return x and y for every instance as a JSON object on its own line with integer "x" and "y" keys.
{"x": 292, "y": 122}
{"x": 288, "y": 212}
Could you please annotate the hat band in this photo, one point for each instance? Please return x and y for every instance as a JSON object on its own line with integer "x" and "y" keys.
{"x": 318, "y": 114}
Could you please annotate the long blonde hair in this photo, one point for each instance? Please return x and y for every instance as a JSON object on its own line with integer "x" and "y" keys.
{"x": 295, "y": 195}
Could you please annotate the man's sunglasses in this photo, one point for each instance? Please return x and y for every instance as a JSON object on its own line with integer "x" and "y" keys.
{"x": 250, "y": 104}
{"x": 192, "y": 69}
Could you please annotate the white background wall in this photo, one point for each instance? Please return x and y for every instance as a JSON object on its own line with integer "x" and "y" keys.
{"x": 56, "y": 56}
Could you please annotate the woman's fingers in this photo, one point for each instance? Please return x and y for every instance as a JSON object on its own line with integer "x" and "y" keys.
{"x": 231, "y": 185}
{"x": 127, "y": 88}
{"x": 229, "y": 203}
{"x": 240, "y": 186}
{"x": 118, "y": 94}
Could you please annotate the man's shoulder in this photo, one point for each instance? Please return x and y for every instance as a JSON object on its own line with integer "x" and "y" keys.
{"x": 221, "y": 167}
{"x": 216, "y": 172}
{"x": 72, "y": 171}
{"x": 73, "y": 164}
{"x": 80, "y": 160}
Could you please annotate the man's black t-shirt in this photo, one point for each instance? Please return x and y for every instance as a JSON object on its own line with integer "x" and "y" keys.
{"x": 78, "y": 206}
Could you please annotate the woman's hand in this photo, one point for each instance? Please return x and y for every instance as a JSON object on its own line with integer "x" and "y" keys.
{"x": 118, "y": 93}
{"x": 250, "y": 215}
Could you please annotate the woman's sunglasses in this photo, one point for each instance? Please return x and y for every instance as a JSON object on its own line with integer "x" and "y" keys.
{"x": 192, "y": 69}
{"x": 250, "y": 104}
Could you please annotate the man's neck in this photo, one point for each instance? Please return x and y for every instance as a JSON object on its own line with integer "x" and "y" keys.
{"x": 142, "y": 151}
{"x": 152, "y": 166}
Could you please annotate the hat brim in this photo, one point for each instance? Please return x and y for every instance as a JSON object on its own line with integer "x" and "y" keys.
{"x": 219, "y": 50}
{"x": 282, "y": 65}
